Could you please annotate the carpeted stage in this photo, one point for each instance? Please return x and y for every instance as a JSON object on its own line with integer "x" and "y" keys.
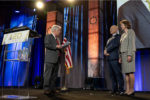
{"x": 79, "y": 94}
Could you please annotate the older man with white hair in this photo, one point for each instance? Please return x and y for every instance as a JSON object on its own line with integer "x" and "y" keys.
{"x": 52, "y": 56}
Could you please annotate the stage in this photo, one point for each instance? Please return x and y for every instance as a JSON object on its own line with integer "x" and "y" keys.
{"x": 80, "y": 94}
{"x": 26, "y": 54}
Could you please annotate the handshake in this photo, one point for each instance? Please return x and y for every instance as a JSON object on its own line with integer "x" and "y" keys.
{"x": 65, "y": 45}
{"x": 59, "y": 46}
{"x": 106, "y": 53}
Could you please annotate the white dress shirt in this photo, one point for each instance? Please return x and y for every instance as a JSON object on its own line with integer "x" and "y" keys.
{"x": 114, "y": 34}
{"x": 53, "y": 35}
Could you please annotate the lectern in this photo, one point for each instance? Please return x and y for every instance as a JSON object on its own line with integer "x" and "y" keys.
{"x": 16, "y": 57}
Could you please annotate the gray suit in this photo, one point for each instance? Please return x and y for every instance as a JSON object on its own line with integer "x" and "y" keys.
{"x": 51, "y": 62}
{"x": 139, "y": 17}
{"x": 127, "y": 48}
{"x": 52, "y": 53}
{"x": 128, "y": 42}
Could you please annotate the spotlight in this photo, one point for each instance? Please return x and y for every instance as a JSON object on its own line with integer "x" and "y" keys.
{"x": 34, "y": 9}
{"x": 39, "y": 4}
{"x": 70, "y": 0}
{"x": 17, "y": 11}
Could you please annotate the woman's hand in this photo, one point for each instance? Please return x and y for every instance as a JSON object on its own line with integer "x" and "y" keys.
{"x": 129, "y": 58}
{"x": 119, "y": 60}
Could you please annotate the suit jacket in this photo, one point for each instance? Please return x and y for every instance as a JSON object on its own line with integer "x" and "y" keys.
{"x": 52, "y": 53}
{"x": 113, "y": 47}
{"x": 127, "y": 43}
{"x": 139, "y": 17}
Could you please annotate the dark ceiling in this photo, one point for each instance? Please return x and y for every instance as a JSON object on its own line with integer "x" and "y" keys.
{"x": 49, "y": 5}
{"x": 31, "y": 3}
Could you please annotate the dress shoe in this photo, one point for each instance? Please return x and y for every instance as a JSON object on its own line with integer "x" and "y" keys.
{"x": 121, "y": 93}
{"x": 111, "y": 92}
{"x": 125, "y": 94}
{"x": 55, "y": 91}
{"x": 132, "y": 94}
{"x": 47, "y": 92}
{"x": 64, "y": 89}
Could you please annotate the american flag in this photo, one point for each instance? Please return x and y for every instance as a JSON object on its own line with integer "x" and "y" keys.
{"x": 68, "y": 58}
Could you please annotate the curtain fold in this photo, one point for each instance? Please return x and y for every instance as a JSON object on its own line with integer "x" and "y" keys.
{"x": 78, "y": 35}
{"x": 37, "y": 66}
{"x": 110, "y": 18}
{"x": 27, "y": 18}
{"x": 142, "y": 70}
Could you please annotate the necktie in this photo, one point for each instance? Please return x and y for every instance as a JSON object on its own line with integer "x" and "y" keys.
{"x": 57, "y": 41}
{"x": 58, "y": 44}
{"x": 148, "y": 1}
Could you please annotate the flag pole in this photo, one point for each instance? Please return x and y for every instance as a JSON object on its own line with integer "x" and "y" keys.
{"x": 67, "y": 33}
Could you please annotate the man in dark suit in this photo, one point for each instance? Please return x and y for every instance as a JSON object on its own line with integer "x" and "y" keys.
{"x": 112, "y": 51}
{"x": 138, "y": 13}
{"x": 52, "y": 55}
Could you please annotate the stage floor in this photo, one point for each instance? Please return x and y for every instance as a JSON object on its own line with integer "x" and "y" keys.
{"x": 79, "y": 94}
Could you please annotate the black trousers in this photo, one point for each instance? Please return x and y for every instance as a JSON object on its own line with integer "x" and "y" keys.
{"x": 115, "y": 72}
{"x": 50, "y": 76}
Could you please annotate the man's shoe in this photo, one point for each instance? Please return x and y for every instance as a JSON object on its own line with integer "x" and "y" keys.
{"x": 64, "y": 89}
{"x": 111, "y": 92}
{"x": 47, "y": 92}
{"x": 55, "y": 91}
{"x": 121, "y": 93}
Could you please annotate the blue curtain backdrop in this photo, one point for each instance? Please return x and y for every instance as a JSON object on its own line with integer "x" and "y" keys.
{"x": 37, "y": 65}
{"x": 142, "y": 73}
{"x": 142, "y": 61}
{"x": 24, "y": 18}
{"x": 5, "y": 17}
{"x": 78, "y": 30}
{"x": 27, "y": 18}
{"x": 110, "y": 18}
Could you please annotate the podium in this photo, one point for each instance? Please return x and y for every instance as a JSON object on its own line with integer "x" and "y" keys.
{"x": 16, "y": 57}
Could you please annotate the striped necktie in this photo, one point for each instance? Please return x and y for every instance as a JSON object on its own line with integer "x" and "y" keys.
{"x": 110, "y": 39}
{"x": 58, "y": 44}
{"x": 57, "y": 41}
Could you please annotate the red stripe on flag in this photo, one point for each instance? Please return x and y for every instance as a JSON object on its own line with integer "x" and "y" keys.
{"x": 70, "y": 52}
{"x": 67, "y": 57}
